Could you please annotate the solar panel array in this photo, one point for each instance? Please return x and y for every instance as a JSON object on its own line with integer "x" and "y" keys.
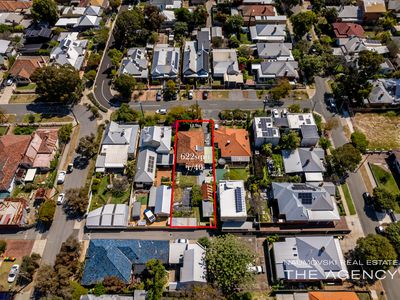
{"x": 150, "y": 165}
{"x": 306, "y": 198}
{"x": 239, "y": 199}
{"x": 302, "y": 187}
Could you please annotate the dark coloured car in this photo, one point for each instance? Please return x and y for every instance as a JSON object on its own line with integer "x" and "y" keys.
{"x": 367, "y": 198}
{"x": 158, "y": 95}
{"x": 205, "y": 95}
{"x": 309, "y": 37}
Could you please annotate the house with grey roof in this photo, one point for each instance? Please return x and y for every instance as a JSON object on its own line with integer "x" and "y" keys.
{"x": 166, "y": 62}
{"x": 384, "y": 92}
{"x": 108, "y": 216}
{"x": 135, "y": 64}
{"x": 195, "y": 61}
{"x": 348, "y": 13}
{"x": 275, "y": 51}
{"x": 351, "y": 47}
{"x": 309, "y": 258}
{"x": 119, "y": 144}
{"x": 160, "y": 200}
{"x": 193, "y": 270}
{"x": 145, "y": 168}
{"x": 305, "y": 203}
{"x": 226, "y": 67}
{"x": 268, "y": 33}
{"x": 158, "y": 139}
{"x": 268, "y": 70}
{"x": 166, "y": 4}
{"x": 305, "y": 161}
{"x": 204, "y": 39}
{"x": 70, "y": 51}
{"x": 394, "y": 6}
{"x": 265, "y": 132}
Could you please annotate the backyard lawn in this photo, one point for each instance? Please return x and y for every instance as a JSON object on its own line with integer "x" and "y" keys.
{"x": 237, "y": 174}
{"x": 384, "y": 179}
{"x": 4, "y": 270}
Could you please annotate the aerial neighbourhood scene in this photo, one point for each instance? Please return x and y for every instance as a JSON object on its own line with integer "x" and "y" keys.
{"x": 200, "y": 149}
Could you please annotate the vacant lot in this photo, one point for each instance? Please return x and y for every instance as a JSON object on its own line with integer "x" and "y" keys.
{"x": 382, "y": 131}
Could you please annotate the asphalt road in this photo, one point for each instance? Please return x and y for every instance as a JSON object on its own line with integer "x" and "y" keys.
{"x": 366, "y": 214}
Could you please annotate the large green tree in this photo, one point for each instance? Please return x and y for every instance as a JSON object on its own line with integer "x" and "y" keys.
{"x": 46, "y": 212}
{"x": 346, "y": 158}
{"x": 58, "y": 83}
{"x": 374, "y": 248}
{"x": 130, "y": 29}
{"x": 87, "y": 146}
{"x": 125, "y": 85}
{"x": 290, "y": 141}
{"x": 155, "y": 278}
{"x": 393, "y": 234}
{"x": 228, "y": 260}
{"x": 153, "y": 17}
{"x": 116, "y": 56}
{"x": 383, "y": 199}
{"x": 44, "y": 11}
{"x": 76, "y": 202}
{"x": 359, "y": 140}
{"x": 125, "y": 114}
{"x": 369, "y": 63}
{"x": 302, "y": 22}
{"x": 233, "y": 24}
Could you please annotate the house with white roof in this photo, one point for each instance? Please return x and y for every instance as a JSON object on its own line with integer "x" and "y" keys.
{"x": 305, "y": 203}
{"x": 70, "y": 51}
{"x": 119, "y": 144}
{"x": 135, "y": 64}
{"x": 108, "y": 216}
{"x": 160, "y": 200}
{"x": 265, "y": 132}
{"x": 232, "y": 200}
{"x": 166, "y": 4}
{"x": 305, "y": 124}
{"x": 226, "y": 67}
{"x": 193, "y": 270}
{"x": 309, "y": 258}
{"x": 166, "y": 62}
{"x": 348, "y": 13}
{"x": 305, "y": 161}
{"x": 268, "y": 33}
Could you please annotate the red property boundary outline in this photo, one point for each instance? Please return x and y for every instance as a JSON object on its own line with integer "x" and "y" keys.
{"x": 213, "y": 226}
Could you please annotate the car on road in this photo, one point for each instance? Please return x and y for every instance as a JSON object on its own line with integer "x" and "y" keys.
{"x": 161, "y": 111}
{"x": 9, "y": 81}
{"x": 60, "y": 198}
{"x": 190, "y": 95}
{"x": 158, "y": 95}
{"x": 182, "y": 241}
{"x": 380, "y": 229}
{"x": 275, "y": 113}
{"x": 367, "y": 198}
{"x": 284, "y": 113}
{"x": 70, "y": 167}
{"x": 13, "y": 273}
{"x": 61, "y": 177}
{"x": 205, "y": 95}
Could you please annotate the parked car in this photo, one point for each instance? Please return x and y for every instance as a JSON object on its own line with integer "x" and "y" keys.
{"x": 150, "y": 216}
{"x": 275, "y": 113}
{"x": 60, "y": 198}
{"x": 161, "y": 111}
{"x": 158, "y": 95}
{"x": 367, "y": 198}
{"x": 190, "y": 95}
{"x": 9, "y": 81}
{"x": 130, "y": 7}
{"x": 309, "y": 37}
{"x": 379, "y": 229}
{"x": 182, "y": 241}
{"x": 255, "y": 269}
{"x": 61, "y": 177}
{"x": 70, "y": 167}
{"x": 284, "y": 113}
{"x": 205, "y": 95}
{"x": 331, "y": 103}
{"x": 13, "y": 273}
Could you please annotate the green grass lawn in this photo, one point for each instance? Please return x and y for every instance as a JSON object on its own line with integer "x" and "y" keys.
{"x": 278, "y": 162}
{"x": 187, "y": 180}
{"x": 3, "y": 130}
{"x": 4, "y": 270}
{"x": 384, "y": 179}
{"x": 22, "y": 98}
{"x": 103, "y": 196}
{"x": 30, "y": 86}
{"x": 348, "y": 198}
{"x": 142, "y": 198}
{"x": 237, "y": 174}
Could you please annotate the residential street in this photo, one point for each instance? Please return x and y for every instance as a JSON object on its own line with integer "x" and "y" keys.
{"x": 366, "y": 214}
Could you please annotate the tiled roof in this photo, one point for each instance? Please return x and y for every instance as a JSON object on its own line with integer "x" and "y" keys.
{"x": 232, "y": 142}
{"x": 344, "y": 30}
{"x": 256, "y": 10}
{"x": 11, "y": 6}
{"x": 24, "y": 66}
{"x": 333, "y": 295}
{"x": 190, "y": 143}
{"x": 12, "y": 152}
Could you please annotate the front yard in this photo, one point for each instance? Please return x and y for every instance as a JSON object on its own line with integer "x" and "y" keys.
{"x": 381, "y": 130}
{"x": 384, "y": 179}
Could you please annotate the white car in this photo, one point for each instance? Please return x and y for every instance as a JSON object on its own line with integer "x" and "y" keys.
{"x": 61, "y": 177}
{"x": 60, "y": 198}
{"x": 255, "y": 269}
{"x": 130, "y": 7}
{"x": 9, "y": 82}
{"x": 182, "y": 241}
{"x": 275, "y": 113}
{"x": 284, "y": 113}
{"x": 190, "y": 95}
{"x": 161, "y": 111}
{"x": 13, "y": 273}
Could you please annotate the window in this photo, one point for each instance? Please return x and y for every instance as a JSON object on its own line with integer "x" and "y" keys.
{"x": 150, "y": 165}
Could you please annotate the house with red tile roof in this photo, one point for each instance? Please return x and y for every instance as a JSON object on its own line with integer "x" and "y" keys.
{"x": 332, "y": 296}
{"x": 14, "y": 6}
{"x": 12, "y": 154}
{"x": 24, "y": 66}
{"x": 190, "y": 148}
{"x": 42, "y": 149}
{"x": 251, "y": 13}
{"x": 233, "y": 144}
{"x": 347, "y": 30}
